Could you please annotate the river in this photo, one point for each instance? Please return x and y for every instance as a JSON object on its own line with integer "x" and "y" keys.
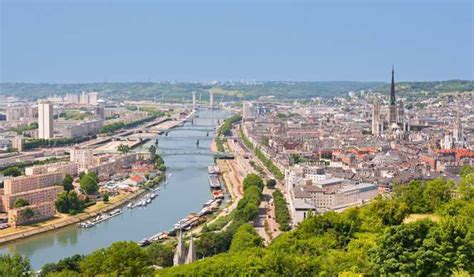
{"x": 186, "y": 191}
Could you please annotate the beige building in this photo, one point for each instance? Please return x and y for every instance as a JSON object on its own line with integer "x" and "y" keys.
{"x": 63, "y": 167}
{"x": 27, "y": 183}
{"x": 36, "y": 196}
{"x": 45, "y": 120}
{"x": 40, "y": 191}
{"x": 41, "y": 212}
{"x": 83, "y": 156}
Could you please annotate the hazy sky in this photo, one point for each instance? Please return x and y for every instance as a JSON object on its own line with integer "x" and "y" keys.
{"x": 93, "y": 41}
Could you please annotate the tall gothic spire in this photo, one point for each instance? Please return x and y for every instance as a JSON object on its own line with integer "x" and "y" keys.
{"x": 180, "y": 253}
{"x": 392, "y": 89}
{"x": 191, "y": 257}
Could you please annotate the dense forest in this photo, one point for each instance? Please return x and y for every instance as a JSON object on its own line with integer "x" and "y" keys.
{"x": 228, "y": 91}
{"x": 425, "y": 228}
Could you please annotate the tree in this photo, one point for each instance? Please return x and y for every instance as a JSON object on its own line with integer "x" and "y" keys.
{"x": 398, "y": 250}
{"x": 390, "y": 212}
{"x": 271, "y": 183}
{"x": 246, "y": 237}
{"x": 89, "y": 184}
{"x": 437, "y": 192}
{"x": 121, "y": 258}
{"x": 161, "y": 254}
{"x": 67, "y": 265}
{"x": 105, "y": 197}
{"x": 68, "y": 202}
{"x": 466, "y": 170}
{"x": 12, "y": 171}
{"x": 296, "y": 159}
{"x": 122, "y": 148}
{"x": 152, "y": 150}
{"x": 62, "y": 203}
{"x": 466, "y": 186}
{"x": 28, "y": 213}
{"x": 67, "y": 182}
{"x": 15, "y": 266}
{"x": 253, "y": 180}
{"x": 21, "y": 202}
{"x": 449, "y": 246}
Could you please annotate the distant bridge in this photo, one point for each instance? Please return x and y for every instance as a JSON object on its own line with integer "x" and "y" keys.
{"x": 218, "y": 155}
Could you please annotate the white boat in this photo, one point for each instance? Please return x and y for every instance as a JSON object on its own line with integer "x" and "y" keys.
{"x": 130, "y": 205}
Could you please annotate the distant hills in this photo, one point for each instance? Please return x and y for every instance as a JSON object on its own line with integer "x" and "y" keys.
{"x": 228, "y": 91}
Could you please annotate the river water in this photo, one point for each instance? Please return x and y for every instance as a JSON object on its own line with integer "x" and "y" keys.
{"x": 186, "y": 191}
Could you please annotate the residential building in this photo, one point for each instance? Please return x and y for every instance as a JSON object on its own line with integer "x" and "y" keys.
{"x": 45, "y": 120}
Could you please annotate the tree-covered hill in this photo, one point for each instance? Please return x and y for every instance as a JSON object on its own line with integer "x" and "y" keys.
{"x": 227, "y": 91}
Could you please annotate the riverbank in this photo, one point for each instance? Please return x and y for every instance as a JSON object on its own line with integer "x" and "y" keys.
{"x": 62, "y": 220}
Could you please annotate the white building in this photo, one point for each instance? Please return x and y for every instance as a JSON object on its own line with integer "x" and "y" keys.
{"x": 45, "y": 120}
{"x": 311, "y": 190}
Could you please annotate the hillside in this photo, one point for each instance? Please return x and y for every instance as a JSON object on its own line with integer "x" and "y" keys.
{"x": 228, "y": 91}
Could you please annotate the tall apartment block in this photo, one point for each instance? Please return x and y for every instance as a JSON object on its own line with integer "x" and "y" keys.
{"x": 45, "y": 120}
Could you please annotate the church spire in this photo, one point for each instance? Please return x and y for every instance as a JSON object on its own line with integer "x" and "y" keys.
{"x": 180, "y": 253}
{"x": 191, "y": 257}
{"x": 392, "y": 89}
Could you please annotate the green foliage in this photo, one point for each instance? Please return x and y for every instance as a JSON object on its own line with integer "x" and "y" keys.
{"x": 89, "y": 183}
{"x": 12, "y": 171}
{"x": 253, "y": 180}
{"x": 67, "y": 265}
{"x": 219, "y": 223}
{"x": 68, "y": 202}
{"x": 14, "y": 266}
{"x": 271, "y": 183}
{"x": 28, "y": 213}
{"x": 152, "y": 150}
{"x": 112, "y": 127}
{"x": 21, "y": 202}
{"x": 423, "y": 197}
{"x": 269, "y": 164}
{"x": 425, "y": 248}
{"x": 48, "y": 143}
{"x": 121, "y": 258}
{"x": 67, "y": 183}
{"x": 21, "y": 129}
{"x": 245, "y": 238}
{"x": 388, "y": 212}
{"x": 466, "y": 170}
{"x": 296, "y": 159}
{"x": 122, "y": 148}
{"x": 246, "y": 140}
{"x": 161, "y": 254}
{"x": 211, "y": 243}
{"x": 466, "y": 186}
{"x": 282, "y": 215}
{"x": 226, "y": 127}
{"x": 219, "y": 144}
{"x": 266, "y": 161}
{"x": 105, "y": 197}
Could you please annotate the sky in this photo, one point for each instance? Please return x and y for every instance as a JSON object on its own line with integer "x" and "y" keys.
{"x": 123, "y": 41}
